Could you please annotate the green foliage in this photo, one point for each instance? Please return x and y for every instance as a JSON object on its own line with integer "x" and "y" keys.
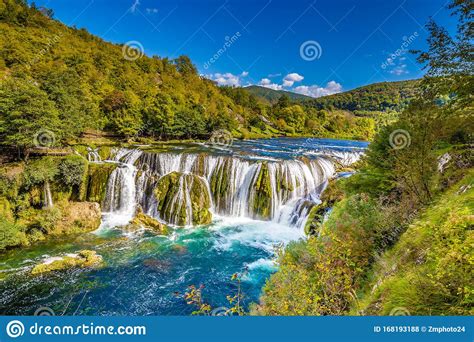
{"x": 379, "y": 97}
{"x": 319, "y": 277}
{"x": 368, "y": 258}
{"x": 72, "y": 170}
{"x": 194, "y": 297}
{"x": 11, "y": 234}
{"x": 25, "y": 112}
{"x": 88, "y": 84}
{"x": 39, "y": 171}
{"x": 429, "y": 272}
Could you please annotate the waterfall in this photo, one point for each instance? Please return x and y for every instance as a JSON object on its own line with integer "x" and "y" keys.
{"x": 120, "y": 201}
{"x": 93, "y": 155}
{"x": 281, "y": 191}
{"x": 232, "y": 183}
{"x": 342, "y": 158}
{"x": 47, "y": 197}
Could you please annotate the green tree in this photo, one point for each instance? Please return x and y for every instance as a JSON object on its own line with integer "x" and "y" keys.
{"x": 27, "y": 117}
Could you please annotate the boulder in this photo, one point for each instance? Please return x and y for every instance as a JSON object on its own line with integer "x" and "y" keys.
{"x": 84, "y": 258}
{"x": 183, "y": 199}
{"x": 262, "y": 194}
{"x": 97, "y": 180}
{"x": 142, "y": 220}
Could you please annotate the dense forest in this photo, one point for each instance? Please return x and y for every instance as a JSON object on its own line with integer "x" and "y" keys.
{"x": 399, "y": 238}
{"x": 66, "y": 82}
{"x": 381, "y": 102}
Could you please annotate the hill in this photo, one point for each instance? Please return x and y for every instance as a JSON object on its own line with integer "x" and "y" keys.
{"x": 271, "y": 96}
{"x": 382, "y": 97}
{"x": 67, "y": 81}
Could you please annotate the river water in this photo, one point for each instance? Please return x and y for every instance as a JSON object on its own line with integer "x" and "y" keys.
{"x": 145, "y": 273}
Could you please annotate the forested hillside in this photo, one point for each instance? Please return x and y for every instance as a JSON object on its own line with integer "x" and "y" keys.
{"x": 59, "y": 82}
{"x": 272, "y": 96}
{"x": 378, "y": 97}
{"x": 66, "y": 80}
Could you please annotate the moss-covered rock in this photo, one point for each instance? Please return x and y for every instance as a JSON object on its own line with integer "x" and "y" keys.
{"x": 262, "y": 195}
{"x": 333, "y": 192}
{"x": 97, "y": 181}
{"x": 183, "y": 199}
{"x": 315, "y": 219}
{"x": 331, "y": 195}
{"x": 199, "y": 166}
{"x": 78, "y": 217}
{"x": 85, "y": 258}
{"x": 5, "y": 208}
{"x": 220, "y": 185}
{"x": 143, "y": 220}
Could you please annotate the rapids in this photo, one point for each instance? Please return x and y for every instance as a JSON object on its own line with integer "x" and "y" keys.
{"x": 261, "y": 193}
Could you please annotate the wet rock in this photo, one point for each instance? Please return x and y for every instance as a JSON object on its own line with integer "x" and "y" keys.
{"x": 183, "y": 199}
{"x": 143, "y": 220}
{"x": 262, "y": 197}
{"x": 97, "y": 181}
{"x": 82, "y": 259}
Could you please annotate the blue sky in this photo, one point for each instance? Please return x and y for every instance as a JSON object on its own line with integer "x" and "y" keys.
{"x": 311, "y": 47}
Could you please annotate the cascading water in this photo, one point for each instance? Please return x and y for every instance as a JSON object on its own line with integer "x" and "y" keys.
{"x": 120, "y": 201}
{"x": 239, "y": 186}
{"x": 233, "y": 184}
{"x": 93, "y": 155}
{"x": 48, "y": 198}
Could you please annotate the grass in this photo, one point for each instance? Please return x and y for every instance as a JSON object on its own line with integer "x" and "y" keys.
{"x": 429, "y": 271}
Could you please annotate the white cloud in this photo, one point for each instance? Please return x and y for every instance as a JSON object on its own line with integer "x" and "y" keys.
{"x": 152, "y": 10}
{"x": 290, "y": 79}
{"x": 135, "y": 5}
{"x": 400, "y": 69}
{"x": 267, "y": 83}
{"x": 226, "y": 79}
{"x": 331, "y": 87}
{"x": 244, "y": 73}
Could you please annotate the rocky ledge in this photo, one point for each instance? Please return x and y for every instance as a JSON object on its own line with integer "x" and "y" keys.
{"x": 82, "y": 259}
